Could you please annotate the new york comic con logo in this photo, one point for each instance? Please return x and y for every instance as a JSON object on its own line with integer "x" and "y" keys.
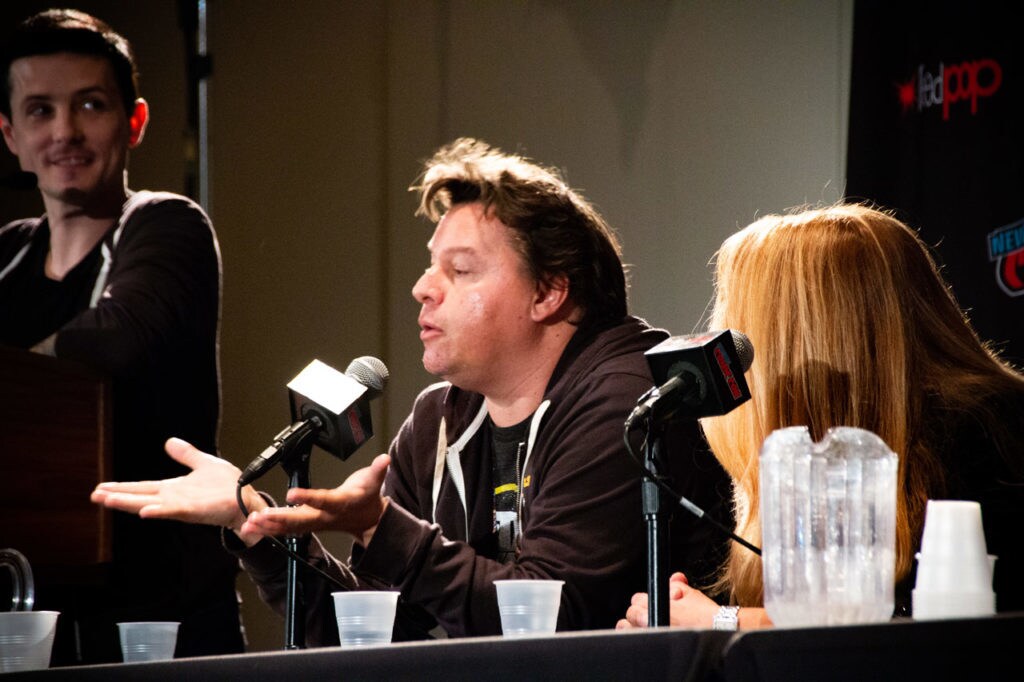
{"x": 951, "y": 84}
{"x": 1006, "y": 250}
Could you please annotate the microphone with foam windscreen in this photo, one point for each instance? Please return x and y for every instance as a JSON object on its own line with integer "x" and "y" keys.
{"x": 696, "y": 375}
{"x": 329, "y": 409}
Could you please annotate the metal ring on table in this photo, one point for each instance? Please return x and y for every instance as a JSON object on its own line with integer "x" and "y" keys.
{"x": 23, "y": 597}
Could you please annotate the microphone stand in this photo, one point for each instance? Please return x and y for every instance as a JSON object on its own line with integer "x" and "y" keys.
{"x": 656, "y": 515}
{"x": 296, "y": 465}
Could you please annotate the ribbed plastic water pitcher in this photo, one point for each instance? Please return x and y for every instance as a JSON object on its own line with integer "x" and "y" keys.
{"x": 828, "y": 514}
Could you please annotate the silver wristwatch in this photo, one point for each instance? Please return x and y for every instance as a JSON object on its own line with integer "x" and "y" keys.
{"x": 727, "y": 618}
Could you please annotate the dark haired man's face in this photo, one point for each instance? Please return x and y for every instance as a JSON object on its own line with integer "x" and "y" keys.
{"x": 478, "y": 303}
{"x": 69, "y": 127}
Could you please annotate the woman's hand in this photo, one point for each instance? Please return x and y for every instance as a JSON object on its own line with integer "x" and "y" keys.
{"x": 688, "y": 607}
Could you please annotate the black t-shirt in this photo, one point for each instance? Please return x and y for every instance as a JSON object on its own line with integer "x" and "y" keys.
{"x": 33, "y": 306}
{"x": 508, "y": 445}
{"x": 153, "y": 332}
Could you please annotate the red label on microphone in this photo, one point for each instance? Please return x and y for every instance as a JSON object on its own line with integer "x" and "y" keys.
{"x": 730, "y": 379}
{"x": 358, "y": 436}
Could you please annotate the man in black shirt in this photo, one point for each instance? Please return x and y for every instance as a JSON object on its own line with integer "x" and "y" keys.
{"x": 129, "y": 284}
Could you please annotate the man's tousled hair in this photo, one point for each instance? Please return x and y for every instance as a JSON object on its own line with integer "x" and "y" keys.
{"x": 556, "y": 231}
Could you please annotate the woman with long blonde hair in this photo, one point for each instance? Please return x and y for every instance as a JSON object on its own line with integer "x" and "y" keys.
{"x": 853, "y": 325}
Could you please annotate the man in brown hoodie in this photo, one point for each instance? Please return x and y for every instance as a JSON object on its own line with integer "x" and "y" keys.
{"x": 513, "y": 466}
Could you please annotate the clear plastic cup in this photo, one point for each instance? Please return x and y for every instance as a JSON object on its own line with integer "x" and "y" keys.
{"x": 528, "y": 608}
{"x": 954, "y": 574}
{"x": 954, "y": 570}
{"x": 930, "y": 605}
{"x": 953, "y": 528}
{"x": 365, "y": 618}
{"x": 148, "y": 640}
{"x": 26, "y": 639}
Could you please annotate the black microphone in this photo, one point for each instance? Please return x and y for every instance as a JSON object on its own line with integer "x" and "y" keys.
{"x": 329, "y": 409}
{"x": 697, "y": 375}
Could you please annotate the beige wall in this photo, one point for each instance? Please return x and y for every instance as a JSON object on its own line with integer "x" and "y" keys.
{"x": 681, "y": 120}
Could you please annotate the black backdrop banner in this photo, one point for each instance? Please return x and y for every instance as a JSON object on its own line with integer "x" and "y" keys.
{"x": 937, "y": 134}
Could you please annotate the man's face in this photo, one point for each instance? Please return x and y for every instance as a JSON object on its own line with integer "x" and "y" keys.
{"x": 475, "y": 321}
{"x": 68, "y": 126}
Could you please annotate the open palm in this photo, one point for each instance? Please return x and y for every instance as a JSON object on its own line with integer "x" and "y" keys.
{"x": 204, "y": 495}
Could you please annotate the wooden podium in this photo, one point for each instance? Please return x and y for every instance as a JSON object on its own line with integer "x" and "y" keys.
{"x": 55, "y": 445}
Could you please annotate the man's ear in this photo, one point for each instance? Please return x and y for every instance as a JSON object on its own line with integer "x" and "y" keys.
{"x": 138, "y": 121}
{"x": 5, "y": 126}
{"x": 551, "y": 299}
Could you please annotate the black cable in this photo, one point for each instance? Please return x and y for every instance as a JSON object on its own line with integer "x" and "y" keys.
{"x": 683, "y": 501}
{"x": 284, "y": 548}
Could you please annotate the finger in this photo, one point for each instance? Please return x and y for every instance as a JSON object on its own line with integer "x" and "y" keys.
{"x": 251, "y": 528}
{"x": 381, "y": 463}
{"x": 376, "y": 472}
{"x": 317, "y": 498}
{"x": 637, "y": 616}
{"x": 133, "y": 487}
{"x": 127, "y": 502}
{"x": 639, "y": 599}
{"x": 256, "y": 523}
{"x": 279, "y": 520}
{"x": 623, "y": 624}
{"x": 183, "y": 452}
{"x": 678, "y": 577}
{"x": 157, "y": 511}
{"x": 281, "y": 515}
{"x": 675, "y": 590}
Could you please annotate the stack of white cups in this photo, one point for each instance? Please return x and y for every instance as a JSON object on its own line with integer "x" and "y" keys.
{"x": 954, "y": 569}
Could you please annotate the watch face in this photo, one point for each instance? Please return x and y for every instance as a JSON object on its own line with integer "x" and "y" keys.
{"x": 726, "y": 618}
